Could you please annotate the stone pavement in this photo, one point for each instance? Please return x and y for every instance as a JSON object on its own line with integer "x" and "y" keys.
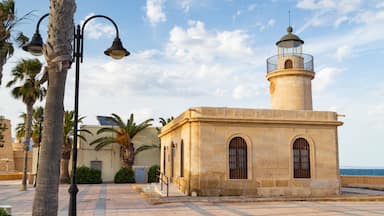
{"x": 123, "y": 199}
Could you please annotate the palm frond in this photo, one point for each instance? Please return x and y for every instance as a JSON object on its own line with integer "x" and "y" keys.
{"x": 101, "y": 145}
{"x": 108, "y": 130}
{"x": 145, "y": 147}
{"x": 102, "y": 140}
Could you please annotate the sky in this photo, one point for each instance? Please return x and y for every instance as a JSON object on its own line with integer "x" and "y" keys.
{"x": 187, "y": 53}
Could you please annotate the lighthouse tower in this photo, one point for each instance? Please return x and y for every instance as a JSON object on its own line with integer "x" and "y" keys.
{"x": 290, "y": 73}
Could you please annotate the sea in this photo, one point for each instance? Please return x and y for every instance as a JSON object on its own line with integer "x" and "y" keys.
{"x": 362, "y": 171}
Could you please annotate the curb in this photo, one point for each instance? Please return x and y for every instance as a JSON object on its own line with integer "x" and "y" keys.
{"x": 164, "y": 200}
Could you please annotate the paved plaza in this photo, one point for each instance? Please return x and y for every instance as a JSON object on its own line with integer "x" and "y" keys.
{"x": 123, "y": 199}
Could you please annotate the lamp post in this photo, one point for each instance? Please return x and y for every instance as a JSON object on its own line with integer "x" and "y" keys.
{"x": 116, "y": 51}
{"x": 41, "y": 119}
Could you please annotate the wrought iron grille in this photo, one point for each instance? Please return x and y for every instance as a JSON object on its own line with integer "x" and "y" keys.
{"x": 238, "y": 159}
{"x": 301, "y": 162}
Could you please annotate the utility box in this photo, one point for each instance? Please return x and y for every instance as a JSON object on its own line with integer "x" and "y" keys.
{"x": 141, "y": 174}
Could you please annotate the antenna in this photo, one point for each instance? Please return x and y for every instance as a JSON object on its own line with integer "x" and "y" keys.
{"x": 289, "y": 17}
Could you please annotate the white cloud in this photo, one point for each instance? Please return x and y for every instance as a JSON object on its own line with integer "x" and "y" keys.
{"x": 237, "y": 14}
{"x": 268, "y": 24}
{"x": 380, "y": 5}
{"x": 342, "y": 52}
{"x": 197, "y": 44}
{"x": 186, "y": 5}
{"x": 94, "y": 29}
{"x": 271, "y": 22}
{"x": 241, "y": 92}
{"x": 329, "y": 12}
{"x": 155, "y": 12}
{"x": 376, "y": 110}
{"x": 325, "y": 77}
{"x": 344, "y": 6}
{"x": 340, "y": 20}
{"x": 307, "y": 4}
{"x": 251, "y": 7}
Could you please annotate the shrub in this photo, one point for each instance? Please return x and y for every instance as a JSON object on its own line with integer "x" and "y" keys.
{"x": 3, "y": 212}
{"x": 86, "y": 175}
{"x": 125, "y": 175}
{"x": 152, "y": 174}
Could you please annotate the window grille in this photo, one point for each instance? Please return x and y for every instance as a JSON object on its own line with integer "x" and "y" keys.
{"x": 301, "y": 162}
{"x": 238, "y": 159}
{"x": 182, "y": 159}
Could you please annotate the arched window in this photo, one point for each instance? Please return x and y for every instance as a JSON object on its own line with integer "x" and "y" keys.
{"x": 301, "y": 162}
{"x": 238, "y": 158}
{"x": 182, "y": 159}
{"x": 164, "y": 158}
{"x": 288, "y": 64}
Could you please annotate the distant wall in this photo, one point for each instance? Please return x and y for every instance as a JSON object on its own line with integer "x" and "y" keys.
{"x": 6, "y": 153}
{"x": 362, "y": 181}
{"x": 109, "y": 156}
{"x": 19, "y": 160}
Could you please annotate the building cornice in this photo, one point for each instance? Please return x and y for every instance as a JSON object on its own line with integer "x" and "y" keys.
{"x": 189, "y": 117}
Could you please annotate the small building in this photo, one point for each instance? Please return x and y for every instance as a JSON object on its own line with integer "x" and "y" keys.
{"x": 107, "y": 159}
{"x": 289, "y": 150}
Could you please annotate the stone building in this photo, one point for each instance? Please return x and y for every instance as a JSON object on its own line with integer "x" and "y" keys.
{"x": 12, "y": 154}
{"x": 289, "y": 150}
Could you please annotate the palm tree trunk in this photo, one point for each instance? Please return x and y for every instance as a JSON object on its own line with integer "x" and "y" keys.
{"x": 46, "y": 195}
{"x": 127, "y": 155}
{"x": 27, "y": 138}
{"x": 65, "y": 156}
{"x": 131, "y": 155}
{"x": 58, "y": 51}
{"x": 64, "y": 174}
{"x": 1, "y": 68}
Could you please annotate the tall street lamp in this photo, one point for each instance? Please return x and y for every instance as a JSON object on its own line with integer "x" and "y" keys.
{"x": 116, "y": 51}
{"x": 41, "y": 119}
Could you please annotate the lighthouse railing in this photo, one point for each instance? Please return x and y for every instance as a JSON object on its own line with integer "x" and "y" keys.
{"x": 300, "y": 61}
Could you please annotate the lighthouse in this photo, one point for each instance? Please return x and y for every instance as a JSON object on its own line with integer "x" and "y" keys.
{"x": 290, "y": 73}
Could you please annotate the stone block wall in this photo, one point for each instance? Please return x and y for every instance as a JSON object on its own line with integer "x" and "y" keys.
{"x": 6, "y": 153}
{"x": 269, "y": 135}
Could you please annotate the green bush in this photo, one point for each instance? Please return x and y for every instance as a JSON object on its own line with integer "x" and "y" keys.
{"x": 86, "y": 175}
{"x": 152, "y": 174}
{"x": 125, "y": 175}
{"x": 3, "y": 212}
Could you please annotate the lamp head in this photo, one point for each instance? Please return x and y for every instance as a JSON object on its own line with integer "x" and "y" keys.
{"x": 116, "y": 51}
{"x": 35, "y": 47}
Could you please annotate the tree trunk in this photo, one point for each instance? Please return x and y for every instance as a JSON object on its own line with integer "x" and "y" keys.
{"x": 64, "y": 174}
{"x": 127, "y": 155}
{"x": 27, "y": 138}
{"x": 1, "y": 69}
{"x": 57, "y": 51}
{"x": 65, "y": 156}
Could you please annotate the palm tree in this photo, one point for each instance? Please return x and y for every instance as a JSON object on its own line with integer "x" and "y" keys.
{"x": 163, "y": 122}
{"x": 36, "y": 122}
{"x": 123, "y": 134}
{"x": 67, "y": 143}
{"x": 8, "y": 20}
{"x": 30, "y": 90}
{"x": 58, "y": 54}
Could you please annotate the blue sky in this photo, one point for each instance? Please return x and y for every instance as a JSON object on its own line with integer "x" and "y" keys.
{"x": 212, "y": 53}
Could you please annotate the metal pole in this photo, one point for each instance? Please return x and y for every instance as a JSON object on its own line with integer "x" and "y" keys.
{"x": 73, "y": 188}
